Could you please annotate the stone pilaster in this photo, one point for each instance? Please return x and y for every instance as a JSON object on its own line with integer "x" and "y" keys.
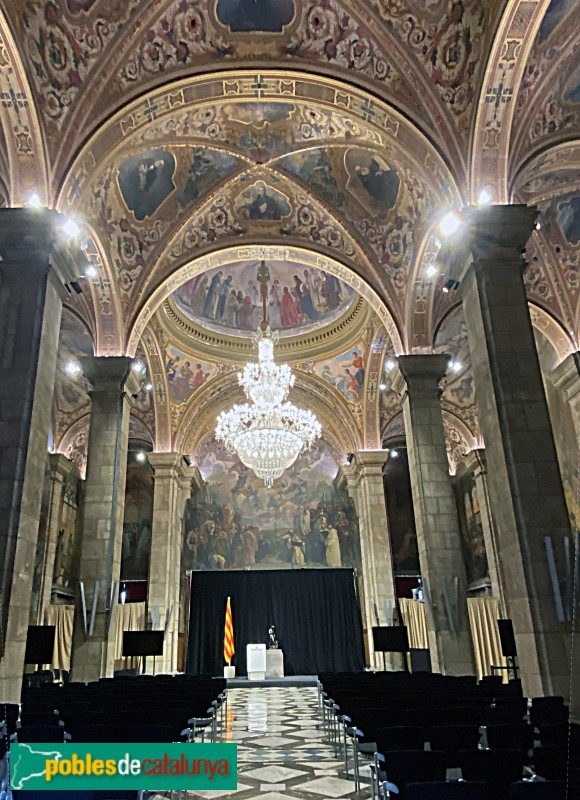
{"x": 61, "y": 469}
{"x": 524, "y": 482}
{"x": 113, "y": 385}
{"x": 173, "y": 484}
{"x": 475, "y": 461}
{"x": 364, "y": 480}
{"x": 36, "y": 264}
{"x": 417, "y": 380}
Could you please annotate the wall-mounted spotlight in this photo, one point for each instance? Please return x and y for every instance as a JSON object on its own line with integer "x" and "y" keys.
{"x": 72, "y": 368}
{"x": 451, "y": 286}
{"x": 450, "y": 224}
{"x": 34, "y": 200}
{"x": 431, "y": 271}
{"x": 138, "y": 367}
{"x": 90, "y": 272}
{"x": 382, "y": 386}
{"x": 141, "y": 457}
{"x": 393, "y": 453}
{"x": 71, "y": 228}
{"x": 390, "y": 364}
{"x": 148, "y": 386}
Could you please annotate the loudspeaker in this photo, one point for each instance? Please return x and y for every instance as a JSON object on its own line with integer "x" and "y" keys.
{"x": 39, "y": 644}
{"x": 420, "y": 660}
{"x": 143, "y": 643}
{"x": 390, "y": 639}
{"x": 507, "y": 638}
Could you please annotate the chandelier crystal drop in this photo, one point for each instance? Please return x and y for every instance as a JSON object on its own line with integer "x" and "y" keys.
{"x": 268, "y": 433}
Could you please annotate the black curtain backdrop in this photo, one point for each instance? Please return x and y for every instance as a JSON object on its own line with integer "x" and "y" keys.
{"x": 315, "y": 611}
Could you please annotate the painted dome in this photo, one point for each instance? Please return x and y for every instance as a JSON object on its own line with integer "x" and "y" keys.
{"x": 228, "y": 299}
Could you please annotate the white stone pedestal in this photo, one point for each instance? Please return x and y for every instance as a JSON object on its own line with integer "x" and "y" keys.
{"x": 229, "y": 672}
{"x": 274, "y": 664}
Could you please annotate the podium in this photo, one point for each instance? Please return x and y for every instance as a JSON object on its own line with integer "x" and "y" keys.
{"x": 274, "y": 664}
{"x": 256, "y": 660}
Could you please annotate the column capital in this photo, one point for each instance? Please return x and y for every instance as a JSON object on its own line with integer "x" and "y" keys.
{"x": 499, "y": 231}
{"x": 61, "y": 467}
{"x": 566, "y": 377}
{"x": 476, "y": 461}
{"x": 165, "y": 463}
{"x": 32, "y": 238}
{"x": 110, "y": 374}
{"x": 420, "y": 372}
{"x": 346, "y": 477}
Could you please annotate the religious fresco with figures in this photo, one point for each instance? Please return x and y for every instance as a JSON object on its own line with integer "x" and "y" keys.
{"x": 137, "y": 521}
{"x": 234, "y": 522}
{"x": 471, "y": 530}
{"x": 346, "y": 372}
{"x": 185, "y": 374}
{"x": 299, "y": 300}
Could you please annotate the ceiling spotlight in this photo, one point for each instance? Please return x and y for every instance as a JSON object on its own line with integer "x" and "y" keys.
{"x": 390, "y": 364}
{"x": 72, "y": 368}
{"x": 138, "y": 367}
{"x": 455, "y": 366}
{"x": 148, "y": 386}
{"x": 538, "y": 225}
{"x": 71, "y": 228}
{"x": 484, "y": 197}
{"x": 141, "y": 457}
{"x": 449, "y": 224}
{"x": 394, "y": 453}
{"x": 450, "y": 286}
{"x": 34, "y": 200}
{"x": 90, "y": 272}
{"x": 382, "y": 386}
{"x": 431, "y": 271}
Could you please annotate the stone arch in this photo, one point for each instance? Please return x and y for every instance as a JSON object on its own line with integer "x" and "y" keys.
{"x": 308, "y": 390}
{"x": 28, "y": 171}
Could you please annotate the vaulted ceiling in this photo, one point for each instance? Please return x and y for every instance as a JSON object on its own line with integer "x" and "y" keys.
{"x": 193, "y": 138}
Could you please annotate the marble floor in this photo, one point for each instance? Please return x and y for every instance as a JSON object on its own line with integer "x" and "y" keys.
{"x": 282, "y": 753}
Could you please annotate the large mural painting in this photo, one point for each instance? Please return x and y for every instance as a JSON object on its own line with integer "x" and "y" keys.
{"x": 563, "y": 428}
{"x": 228, "y": 300}
{"x": 136, "y": 548}
{"x": 234, "y": 522}
{"x": 471, "y": 529}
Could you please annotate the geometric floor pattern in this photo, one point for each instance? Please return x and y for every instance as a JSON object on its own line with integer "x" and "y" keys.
{"x": 282, "y": 753}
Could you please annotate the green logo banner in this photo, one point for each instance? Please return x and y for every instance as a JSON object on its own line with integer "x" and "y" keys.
{"x": 155, "y": 767}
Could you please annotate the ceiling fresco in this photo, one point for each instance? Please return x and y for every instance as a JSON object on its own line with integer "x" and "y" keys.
{"x": 184, "y": 136}
{"x": 548, "y": 103}
{"x": 229, "y": 299}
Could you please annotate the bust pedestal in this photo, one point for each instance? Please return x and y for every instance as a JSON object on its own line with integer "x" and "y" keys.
{"x": 274, "y": 664}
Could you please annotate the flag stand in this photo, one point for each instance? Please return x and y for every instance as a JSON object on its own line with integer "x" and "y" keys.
{"x": 229, "y": 649}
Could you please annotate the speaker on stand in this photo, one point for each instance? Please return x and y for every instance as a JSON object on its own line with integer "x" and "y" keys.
{"x": 508, "y": 645}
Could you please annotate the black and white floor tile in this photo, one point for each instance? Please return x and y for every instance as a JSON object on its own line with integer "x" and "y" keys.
{"x": 282, "y": 751}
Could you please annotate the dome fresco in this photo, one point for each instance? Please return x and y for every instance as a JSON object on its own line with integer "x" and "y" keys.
{"x": 228, "y": 299}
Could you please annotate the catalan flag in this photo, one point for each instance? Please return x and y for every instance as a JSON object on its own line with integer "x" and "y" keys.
{"x": 229, "y": 648}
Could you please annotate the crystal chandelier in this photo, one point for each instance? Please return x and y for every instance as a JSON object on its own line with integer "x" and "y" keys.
{"x": 268, "y": 433}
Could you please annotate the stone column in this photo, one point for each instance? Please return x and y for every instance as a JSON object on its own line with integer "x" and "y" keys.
{"x": 417, "y": 380}
{"x": 524, "y": 482}
{"x": 475, "y": 461}
{"x": 364, "y": 479}
{"x": 190, "y": 480}
{"x": 113, "y": 384}
{"x": 36, "y": 264}
{"x": 172, "y": 488}
{"x": 61, "y": 469}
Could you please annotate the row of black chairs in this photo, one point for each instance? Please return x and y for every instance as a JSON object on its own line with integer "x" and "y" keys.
{"x": 419, "y": 727}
